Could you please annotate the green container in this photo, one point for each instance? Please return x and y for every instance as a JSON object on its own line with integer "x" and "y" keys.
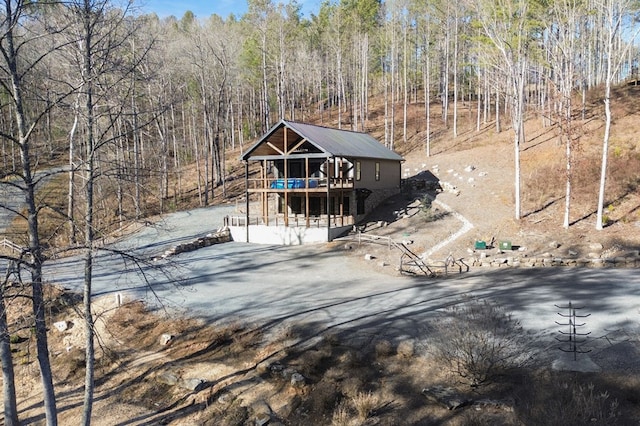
{"x": 481, "y": 245}
{"x": 505, "y": 245}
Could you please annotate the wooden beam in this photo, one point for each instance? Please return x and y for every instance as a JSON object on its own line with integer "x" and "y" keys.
{"x": 296, "y": 146}
{"x": 276, "y": 148}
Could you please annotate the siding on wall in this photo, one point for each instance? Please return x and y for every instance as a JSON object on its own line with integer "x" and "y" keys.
{"x": 389, "y": 175}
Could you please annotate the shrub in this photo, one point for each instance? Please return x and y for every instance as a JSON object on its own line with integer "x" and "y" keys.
{"x": 341, "y": 416}
{"x": 427, "y": 212}
{"x": 365, "y": 404}
{"x": 406, "y": 349}
{"x": 478, "y": 341}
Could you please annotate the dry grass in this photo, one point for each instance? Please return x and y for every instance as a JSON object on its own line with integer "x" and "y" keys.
{"x": 365, "y": 404}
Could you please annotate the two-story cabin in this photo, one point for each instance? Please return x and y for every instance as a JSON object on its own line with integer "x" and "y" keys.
{"x": 313, "y": 183}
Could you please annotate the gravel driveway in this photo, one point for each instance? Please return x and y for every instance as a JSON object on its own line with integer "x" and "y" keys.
{"x": 325, "y": 289}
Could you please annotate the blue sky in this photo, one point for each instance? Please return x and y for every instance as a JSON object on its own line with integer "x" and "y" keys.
{"x": 205, "y": 8}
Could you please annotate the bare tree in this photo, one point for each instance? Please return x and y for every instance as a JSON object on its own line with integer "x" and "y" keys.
{"x": 101, "y": 36}
{"x": 562, "y": 46}
{"x": 6, "y": 358}
{"x": 19, "y": 64}
{"x": 613, "y": 13}
{"x": 508, "y": 24}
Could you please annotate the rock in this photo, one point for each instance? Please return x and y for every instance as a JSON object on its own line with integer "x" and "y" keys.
{"x": 276, "y": 368}
{"x": 261, "y": 408}
{"x": 194, "y": 384}
{"x": 262, "y": 419}
{"x": 168, "y": 378}
{"x": 166, "y": 339}
{"x": 61, "y": 325}
{"x": 297, "y": 380}
{"x": 263, "y": 367}
{"x": 595, "y": 246}
{"x": 288, "y": 372}
{"x": 447, "y": 397}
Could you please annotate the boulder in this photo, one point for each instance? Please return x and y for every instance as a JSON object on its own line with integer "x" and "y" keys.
{"x": 193, "y": 384}
{"x": 166, "y": 339}
{"x": 595, "y": 246}
{"x": 61, "y": 326}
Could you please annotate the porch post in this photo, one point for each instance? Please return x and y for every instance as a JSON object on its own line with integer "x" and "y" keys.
{"x": 246, "y": 182}
{"x": 306, "y": 192}
{"x": 285, "y": 161}
{"x": 328, "y": 200}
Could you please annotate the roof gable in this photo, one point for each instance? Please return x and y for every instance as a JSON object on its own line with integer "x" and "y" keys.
{"x": 288, "y": 137}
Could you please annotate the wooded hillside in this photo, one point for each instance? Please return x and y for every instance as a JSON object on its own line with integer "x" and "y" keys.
{"x": 171, "y": 93}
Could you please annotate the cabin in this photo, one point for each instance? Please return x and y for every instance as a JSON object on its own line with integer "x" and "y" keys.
{"x": 310, "y": 184}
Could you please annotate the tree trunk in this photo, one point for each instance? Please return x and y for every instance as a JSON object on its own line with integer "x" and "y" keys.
{"x": 8, "y": 378}
{"x": 35, "y": 248}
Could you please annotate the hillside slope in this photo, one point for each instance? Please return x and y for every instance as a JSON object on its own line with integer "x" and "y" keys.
{"x": 480, "y": 166}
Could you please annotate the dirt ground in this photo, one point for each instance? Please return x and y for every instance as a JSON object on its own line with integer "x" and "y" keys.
{"x": 476, "y": 203}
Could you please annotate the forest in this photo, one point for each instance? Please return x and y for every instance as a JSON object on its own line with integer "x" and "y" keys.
{"x": 138, "y": 115}
{"x": 144, "y": 97}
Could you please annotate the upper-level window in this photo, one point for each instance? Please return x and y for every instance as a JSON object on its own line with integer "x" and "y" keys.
{"x": 377, "y": 170}
{"x": 358, "y": 170}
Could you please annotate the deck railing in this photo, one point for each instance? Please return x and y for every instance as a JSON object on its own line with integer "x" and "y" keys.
{"x": 295, "y": 183}
{"x": 5, "y": 243}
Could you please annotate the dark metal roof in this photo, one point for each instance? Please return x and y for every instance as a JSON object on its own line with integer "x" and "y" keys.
{"x": 334, "y": 142}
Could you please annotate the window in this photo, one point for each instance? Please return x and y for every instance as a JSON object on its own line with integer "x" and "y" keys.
{"x": 377, "y": 170}
{"x": 358, "y": 170}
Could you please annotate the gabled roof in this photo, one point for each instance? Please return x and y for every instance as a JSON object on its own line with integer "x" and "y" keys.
{"x": 333, "y": 142}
